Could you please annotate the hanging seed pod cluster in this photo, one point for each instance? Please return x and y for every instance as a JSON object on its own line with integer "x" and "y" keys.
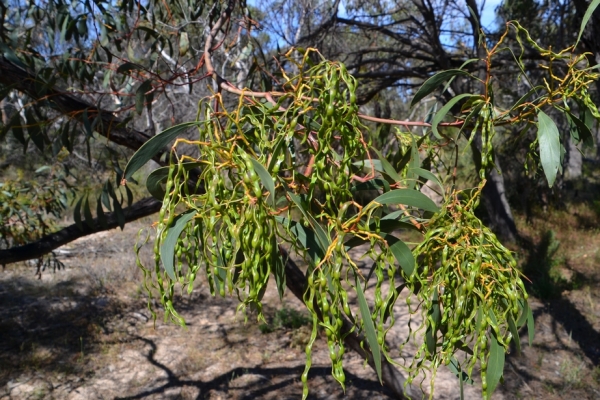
{"x": 471, "y": 294}
{"x": 257, "y": 194}
{"x": 286, "y": 169}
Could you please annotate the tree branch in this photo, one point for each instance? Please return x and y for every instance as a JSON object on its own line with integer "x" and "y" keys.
{"x": 46, "y": 244}
{"x": 109, "y": 126}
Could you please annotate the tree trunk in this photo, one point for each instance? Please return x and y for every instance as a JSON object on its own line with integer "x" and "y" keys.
{"x": 574, "y": 161}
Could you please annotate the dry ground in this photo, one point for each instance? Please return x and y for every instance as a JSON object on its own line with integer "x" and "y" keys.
{"x": 85, "y": 333}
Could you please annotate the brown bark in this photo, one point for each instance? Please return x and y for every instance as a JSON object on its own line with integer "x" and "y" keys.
{"x": 46, "y": 244}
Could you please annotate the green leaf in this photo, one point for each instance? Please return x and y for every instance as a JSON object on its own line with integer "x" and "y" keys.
{"x": 387, "y": 167}
{"x": 140, "y": 95}
{"x": 454, "y": 366}
{"x": 549, "y": 142}
{"x": 305, "y": 237}
{"x": 525, "y": 97}
{"x": 530, "y": 326}
{"x": 432, "y": 83}
{"x": 586, "y": 17}
{"x": 514, "y": 332}
{"x": 439, "y": 116}
{"x": 372, "y": 184}
{"x": 167, "y": 247}
{"x": 408, "y": 197}
{"x": 583, "y": 131}
{"x": 428, "y": 176}
{"x": 34, "y": 131}
{"x": 77, "y": 214}
{"x": 17, "y": 129}
{"x": 369, "y": 327}
{"x": 402, "y": 254}
{"x": 87, "y": 213}
{"x": 159, "y": 176}
{"x": 323, "y": 237}
{"x": 265, "y": 178}
{"x": 105, "y": 195}
{"x": 495, "y": 366}
{"x": 101, "y": 216}
{"x": 434, "y": 321}
{"x": 11, "y": 56}
{"x": 127, "y": 66}
{"x": 129, "y": 194}
{"x": 154, "y": 146}
{"x": 279, "y": 274}
{"x": 118, "y": 210}
{"x": 524, "y": 311}
{"x": 155, "y": 180}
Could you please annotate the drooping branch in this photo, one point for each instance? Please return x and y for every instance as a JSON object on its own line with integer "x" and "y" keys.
{"x": 67, "y": 104}
{"x": 46, "y": 244}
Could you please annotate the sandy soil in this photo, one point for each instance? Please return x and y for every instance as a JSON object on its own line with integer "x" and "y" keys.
{"x": 85, "y": 333}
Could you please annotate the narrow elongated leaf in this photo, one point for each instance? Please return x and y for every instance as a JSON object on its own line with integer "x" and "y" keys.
{"x": 408, "y": 197}
{"x": 154, "y": 146}
{"x": 434, "y": 320}
{"x": 365, "y": 313}
{"x": 530, "y": 326}
{"x": 127, "y": 66}
{"x": 140, "y": 95}
{"x": 159, "y": 176}
{"x": 454, "y": 366}
{"x": 402, "y": 254}
{"x": 525, "y": 97}
{"x": 87, "y": 213}
{"x": 323, "y": 237}
{"x": 390, "y": 225}
{"x": 129, "y": 194}
{"x": 15, "y": 125}
{"x": 105, "y": 195}
{"x": 439, "y": 116}
{"x": 428, "y": 175}
{"x": 549, "y": 142}
{"x": 583, "y": 131}
{"x": 11, "y": 56}
{"x": 279, "y": 274}
{"x": 432, "y": 83}
{"x": 265, "y": 178}
{"x": 305, "y": 237}
{"x": 524, "y": 310}
{"x": 155, "y": 180}
{"x": 118, "y": 210}
{"x": 495, "y": 365}
{"x": 514, "y": 332}
{"x": 373, "y": 184}
{"x": 77, "y": 214}
{"x": 586, "y": 17}
{"x": 34, "y": 130}
{"x": 167, "y": 247}
{"x": 101, "y": 216}
{"x": 387, "y": 167}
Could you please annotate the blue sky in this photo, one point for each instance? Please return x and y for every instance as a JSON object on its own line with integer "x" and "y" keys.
{"x": 488, "y": 15}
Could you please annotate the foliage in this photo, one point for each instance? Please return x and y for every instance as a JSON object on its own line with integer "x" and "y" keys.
{"x": 260, "y": 194}
{"x": 285, "y": 318}
{"x": 286, "y": 168}
{"x": 30, "y": 209}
